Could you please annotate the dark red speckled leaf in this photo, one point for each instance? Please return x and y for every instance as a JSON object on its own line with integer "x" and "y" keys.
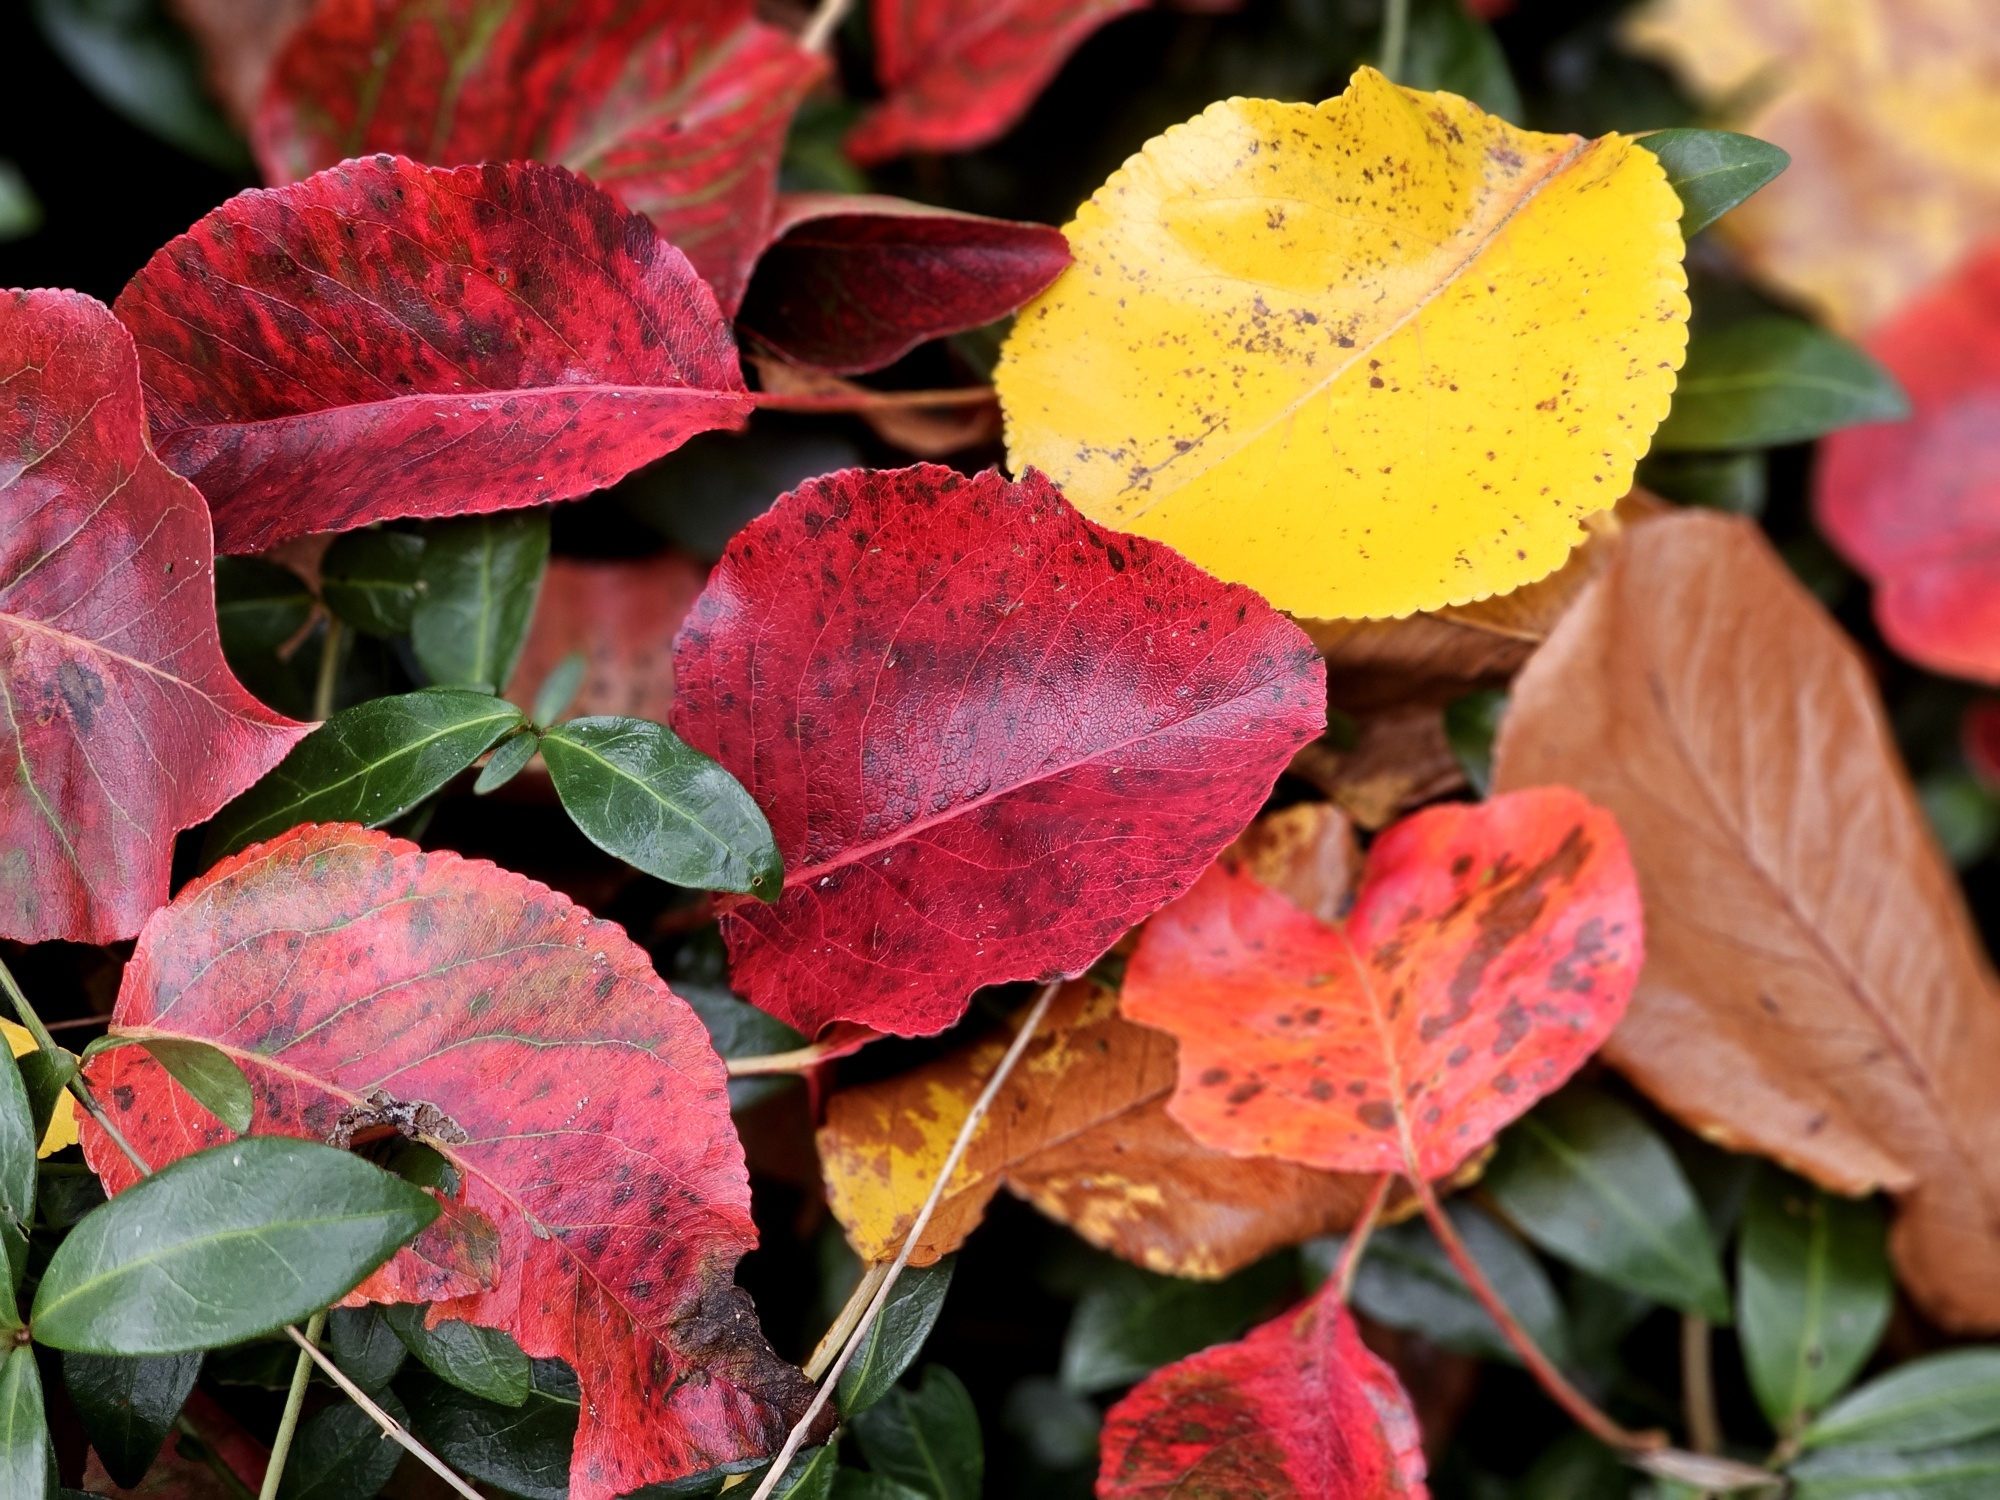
{"x": 851, "y": 284}
{"x": 1916, "y": 504}
{"x": 387, "y": 339}
{"x": 1490, "y": 951}
{"x": 120, "y": 724}
{"x": 957, "y": 73}
{"x": 679, "y": 107}
{"x": 989, "y": 734}
{"x": 1298, "y": 1409}
{"x": 578, "y": 1098}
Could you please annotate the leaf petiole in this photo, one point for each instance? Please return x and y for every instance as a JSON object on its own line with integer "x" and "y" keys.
{"x": 288, "y": 1421}
{"x": 1357, "y": 1237}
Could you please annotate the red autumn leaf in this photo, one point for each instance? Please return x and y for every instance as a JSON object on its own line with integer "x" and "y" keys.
{"x": 387, "y": 339}
{"x": 1489, "y": 952}
{"x": 122, "y": 723}
{"x": 679, "y": 107}
{"x": 1916, "y": 504}
{"x": 356, "y": 979}
{"x": 958, "y": 73}
{"x": 851, "y": 284}
{"x": 1298, "y": 1409}
{"x": 622, "y": 616}
{"x": 990, "y": 735}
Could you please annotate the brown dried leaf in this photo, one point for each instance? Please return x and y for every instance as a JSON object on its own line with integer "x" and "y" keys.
{"x": 1400, "y": 760}
{"x": 1813, "y": 988}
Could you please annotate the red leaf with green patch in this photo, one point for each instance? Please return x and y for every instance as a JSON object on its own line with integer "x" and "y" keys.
{"x": 853, "y": 283}
{"x": 365, "y": 986}
{"x": 1490, "y": 950}
{"x": 990, "y": 735}
{"x": 120, "y": 720}
{"x": 679, "y": 107}
{"x": 1298, "y": 1409}
{"x": 387, "y": 339}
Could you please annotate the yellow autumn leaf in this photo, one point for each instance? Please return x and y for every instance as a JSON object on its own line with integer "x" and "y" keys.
{"x": 1372, "y": 356}
{"x": 62, "y": 1121}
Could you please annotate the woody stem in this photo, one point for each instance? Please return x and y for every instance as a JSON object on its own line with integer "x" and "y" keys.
{"x": 1357, "y": 1237}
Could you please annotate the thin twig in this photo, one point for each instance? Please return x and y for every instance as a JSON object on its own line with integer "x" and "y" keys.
{"x": 844, "y": 1321}
{"x": 288, "y": 1420}
{"x": 818, "y": 35}
{"x": 798, "y": 1060}
{"x": 1698, "y": 1384}
{"x": 1357, "y": 1237}
{"x": 329, "y": 670}
{"x": 1395, "y": 37}
{"x": 863, "y": 399}
{"x": 391, "y": 1428}
{"x": 76, "y": 1022}
{"x": 79, "y": 1090}
{"x": 910, "y": 1241}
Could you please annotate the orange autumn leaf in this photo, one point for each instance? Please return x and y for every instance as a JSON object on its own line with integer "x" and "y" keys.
{"x": 1490, "y": 951}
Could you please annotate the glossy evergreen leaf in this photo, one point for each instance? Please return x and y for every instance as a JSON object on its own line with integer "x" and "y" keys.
{"x": 20, "y": 209}
{"x": 362, "y": 1342}
{"x": 1586, "y": 1178}
{"x": 927, "y": 1439}
{"x": 1470, "y": 723}
{"x": 1769, "y": 380}
{"x": 1129, "y": 1322}
{"x": 340, "y": 1454}
{"x": 810, "y": 1475}
{"x": 637, "y": 791}
{"x": 558, "y": 689}
{"x": 1451, "y": 49}
{"x": 369, "y": 579}
{"x": 19, "y": 1140}
{"x": 897, "y": 1338}
{"x": 1813, "y": 1292}
{"x": 45, "y": 1076}
{"x": 484, "y": 1361}
{"x": 738, "y": 1029}
{"x": 223, "y": 1245}
{"x": 128, "y": 1405}
{"x": 1712, "y": 171}
{"x": 367, "y": 764}
{"x": 1931, "y": 1402}
{"x": 477, "y": 584}
{"x": 525, "y": 1450}
{"x": 27, "y": 1457}
{"x": 859, "y": 1484}
{"x": 1969, "y": 1472}
{"x": 509, "y": 760}
{"x": 210, "y": 1076}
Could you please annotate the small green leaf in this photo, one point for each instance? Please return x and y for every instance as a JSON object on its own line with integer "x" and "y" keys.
{"x": 479, "y": 579}
{"x": 367, "y": 764}
{"x": 559, "y": 688}
{"x": 897, "y": 1338}
{"x": 340, "y": 1454}
{"x": 809, "y": 1476}
{"x": 20, "y": 209}
{"x": 364, "y": 1345}
{"x": 524, "y": 1449}
{"x": 45, "y": 1075}
{"x": 1813, "y": 1291}
{"x": 128, "y": 1406}
{"x": 1129, "y": 1322}
{"x": 507, "y": 762}
{"x": 1927, "y": 1403}
{"x": 18, "y": 1141}
{"x": 1713, "y": 170}
{"x": 211, "y": 1076}
{"x": 369, "y": 579}
{"x": 27, "y": 1457}
{"x": 636, "y": 791}
{"x": 1969, "y": 1472}
{"x": 1766, "y": 381}
{"x": 484, "y": 1361}
{"x": 261, "y": 607}
{"x": 855, "y": 1484}
{"x": 1058, "y": 1427}
{"x": 1586, "y": 1178}
{"x": 1450, "y": 49}
{"x": 927, "y": 1439}
{"x": 1733, "y": 482}
{"x": 1470, "y": 725}
{"x": 223, "y": 1245}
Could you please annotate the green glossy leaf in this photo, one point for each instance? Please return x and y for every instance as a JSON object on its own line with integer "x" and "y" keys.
{"x": 224, "y": 1245}
{"x": 638, "y": 792}
{"x": 1734, "y": 482}
{"x": 927, "y": 1439}
{"x": 1927, "y": 1403}
{"x": 27, "y": 1458}
{"x": 483, "y": 1361}
{"x": 45, "y": 1076}
{"x": 211, "y": 1076}
{"x": 365, "y": 1346}
{"x": 737, "y": 1028}
{"x": 369, "y": 579}
{"x": 20, "y": 209}
{"x": 1766, "y": 381}
{"x": 523, "y": 1449}
{"x": 855, "y": 1484}
{"x": 1813, "y": 1291}
{"x": 367, "y": 764}
{"x": 1969, "y": 1472}
{"x": 1058, "y": 1427}
{"x": 1451, "y": 49}
{"x": 1713, "y": 170}
{"x": 809, "y": 1476}
{"x": 18, "y": 1140}
{"x": 507, "y": 762}
{"x": 1963, "y": 812}
{"x": 1470, "y": 724}
{"x": 1586, "y": 1178}
{"x": 340, "y": 1454}
{"x": 478, "y": 581}
{"x": 558, "y": 689}
{"x": 897, "y": 1338}
{"x": 144, "y": 66}
{"x": 1129, "y": 1322}
{"x": 66, "y": 1194}
{"x": 261, "y": 607}
{"x": 128, "y": 1406}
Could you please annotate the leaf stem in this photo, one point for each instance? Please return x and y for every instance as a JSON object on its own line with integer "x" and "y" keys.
{"x": 818, "y": 35}
{"x": 970, "y": 1128}
{"x": 391, "y": 1428}
{"x": 1357, "y": 1238}
{"x": 79, "y": 1090}
{"x": 864, "y": 399}
{"x": 1579, "y": 1407}
{"x": 843, "y": 1323}
{"x": 798, "y": 1060}
{"x": 1395, "y": 37}
{"x": 1698, "y": 1384}
{"x": 288, "y": 1421}
{"x": 329, "y": 669}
